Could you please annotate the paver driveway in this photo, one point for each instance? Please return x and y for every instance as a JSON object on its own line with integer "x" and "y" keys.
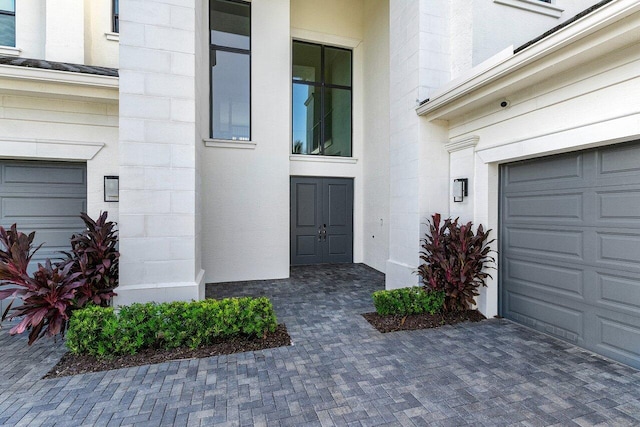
{"x": 339, "y": 371}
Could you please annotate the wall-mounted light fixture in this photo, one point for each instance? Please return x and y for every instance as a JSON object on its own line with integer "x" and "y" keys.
{"x": 111, "y": 188}
{"x": 460, "y": 189}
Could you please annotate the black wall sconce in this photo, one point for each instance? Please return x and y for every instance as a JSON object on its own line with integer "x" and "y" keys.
{"x": 111, "y": 188}
{"x": 460, "y": 189}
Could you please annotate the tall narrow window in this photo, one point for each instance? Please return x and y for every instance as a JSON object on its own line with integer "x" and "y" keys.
{"x": 230, "y": 60}
{"x": 7, "y": 23}
{"x": 321, "y": 100}
{"x": 115, "y": 18}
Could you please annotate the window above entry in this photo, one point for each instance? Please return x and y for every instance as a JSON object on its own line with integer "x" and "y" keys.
{"x": 322, "y": 100}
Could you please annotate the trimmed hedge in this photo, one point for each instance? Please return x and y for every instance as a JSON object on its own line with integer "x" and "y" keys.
{"x": 101, "y": 332}
{"x": 404, "y": 301}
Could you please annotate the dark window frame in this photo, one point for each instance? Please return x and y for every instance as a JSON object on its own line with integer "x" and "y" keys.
{"x": 322, "y": 85}
{"x": 10, "y": 13}
{"x": 115, "y": 16}
{"x": 213, "y": 48}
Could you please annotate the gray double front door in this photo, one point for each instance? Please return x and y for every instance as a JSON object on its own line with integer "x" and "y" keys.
{"x": 570, "y": 248}
{"x": 321, "y": 220}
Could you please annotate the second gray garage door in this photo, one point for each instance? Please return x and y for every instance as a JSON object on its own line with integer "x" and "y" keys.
{"x": 570, "y": 248}
{"x": 44, "y": 197}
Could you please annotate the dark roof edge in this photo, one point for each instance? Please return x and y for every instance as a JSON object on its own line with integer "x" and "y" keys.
{"x": 562, "y": 25}
{"x": 58, "y": 66}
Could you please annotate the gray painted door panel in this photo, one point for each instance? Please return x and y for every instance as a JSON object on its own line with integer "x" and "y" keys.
{"x": 570, "y": 248}
{"x": 45, "y": 197}
{"x": 319, "y": 204}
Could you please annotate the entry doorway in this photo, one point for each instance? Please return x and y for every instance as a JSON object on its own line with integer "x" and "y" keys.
{"x": 321, "y": 220}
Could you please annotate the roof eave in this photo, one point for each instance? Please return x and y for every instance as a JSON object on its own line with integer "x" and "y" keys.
{"x": 505, "y": 64}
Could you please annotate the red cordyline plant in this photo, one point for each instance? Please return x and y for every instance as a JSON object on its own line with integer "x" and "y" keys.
{"x": 88, "y": 275}
{"x": 94, "y": 254}
{"x": 47, "y": 297}
{"x": 454, "y": 261}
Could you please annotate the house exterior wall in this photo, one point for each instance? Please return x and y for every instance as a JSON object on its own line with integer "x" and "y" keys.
{"x": 576, "y": 95}
{"x": 435, "y": 45}
{"x": 253, "y": 229}
{"x": 246, "y": 184}
{"x": 197, "y": 210}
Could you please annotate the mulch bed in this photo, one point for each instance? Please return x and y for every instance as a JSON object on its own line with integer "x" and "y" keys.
{"x": 73, "y": 364}
{"x": 392, "y": 323}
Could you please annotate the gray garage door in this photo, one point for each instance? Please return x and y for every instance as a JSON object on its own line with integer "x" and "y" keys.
{"x": 46, "y": 198}
{"x": 570, "y": 248}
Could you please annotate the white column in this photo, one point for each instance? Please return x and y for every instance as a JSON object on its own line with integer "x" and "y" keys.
{"x": 64, "y": 31}
{"x": 159, "y": 213}
{"x": 419, "y": 163}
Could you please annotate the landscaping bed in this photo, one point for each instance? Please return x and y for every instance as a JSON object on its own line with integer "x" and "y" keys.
{"x": 71, "y": 364}
{"x": 392, "y": 323}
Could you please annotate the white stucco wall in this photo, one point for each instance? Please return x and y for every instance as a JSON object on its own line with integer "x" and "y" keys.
{"x": 64, "y": 31}
{"x": 100, "y": 44}
{"x": 30, "y": 28}
{"x": 420, "y": 63}
{"x": 245, "y": 185}
{"x": 375, "y": 167}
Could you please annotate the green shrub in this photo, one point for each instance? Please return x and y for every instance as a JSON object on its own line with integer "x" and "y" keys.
{"x": 92, "y": 330}
{"x": 403, "y": 301}
{"x": 100, "y": 332}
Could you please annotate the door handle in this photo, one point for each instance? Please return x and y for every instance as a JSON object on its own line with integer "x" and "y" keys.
{"x": 319, "y": 234}
{"x": 324, "y": 232}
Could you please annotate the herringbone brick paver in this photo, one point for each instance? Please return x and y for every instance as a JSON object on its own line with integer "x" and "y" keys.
{"x": 339, "y": 371}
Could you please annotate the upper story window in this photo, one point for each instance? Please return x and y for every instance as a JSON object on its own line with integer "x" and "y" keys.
{"x": 7, "y": 23}
{"x": 230, "y": 61}
{"x": 115, "y": 20}
{"x": 321, "y": 100}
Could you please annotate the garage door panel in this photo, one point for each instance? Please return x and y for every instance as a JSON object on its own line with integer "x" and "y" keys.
{"x": 557, "y": 169}
{"x": 574, "y": 271}
{"x": 618, "y": 340}
{"x": 17, "y": 209}
{"x": 549, "y": 278}
{"x": 552, "y": 207}
{"x": 617, "y": 249}
{"x": 535, "y": 241}
{"x": 622, "y": 160}
{"x": 619, "y": 293}
{"x": 547, "y": 316}
{"x": 619, "y": 205}
{"x": 19, "y": 174}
